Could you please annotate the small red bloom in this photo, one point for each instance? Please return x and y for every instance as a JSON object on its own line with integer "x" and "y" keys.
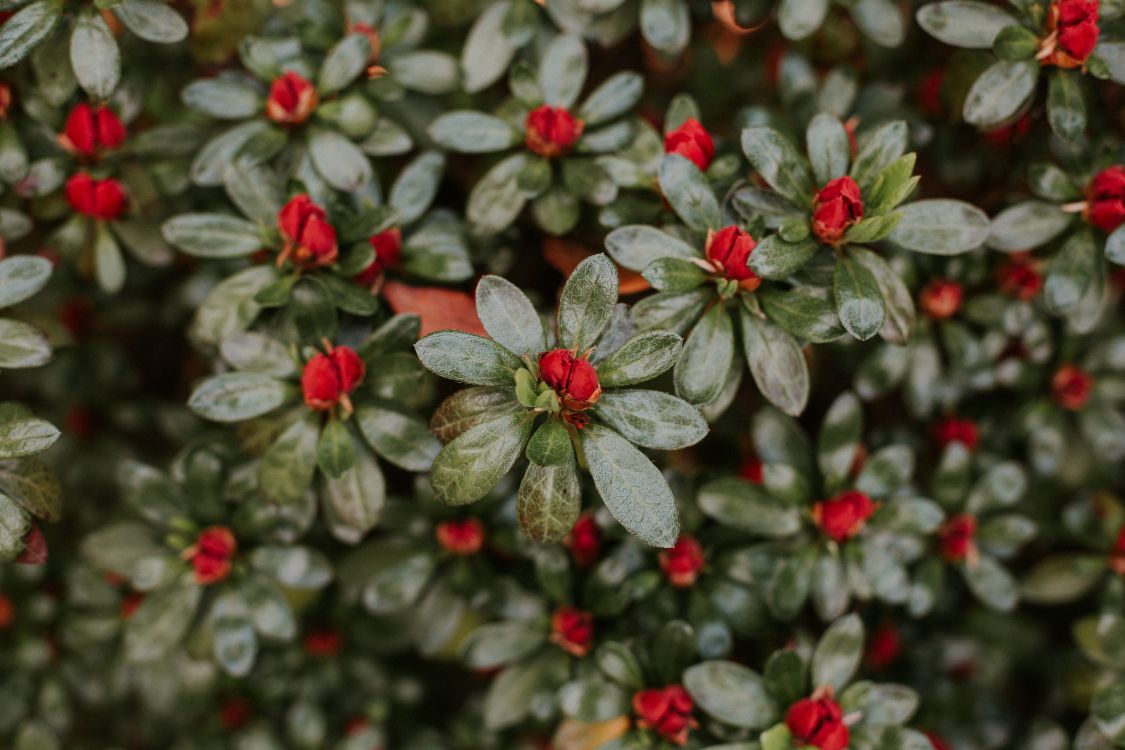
{"x": 936, "y": 741}
{"x": 323, "y": 643}
{"x": 941, "y": 299}
{"x": 691, "y": 141}
{"x": 90, "y": 131}
{"x": 7, "y": 612}
{"x": 1071, "y": 386}
{"x": 838, "y": 206}
{"x": 729, "y": 250}
{"x": 572, "y": 630}
{"x": 388, "y": 251}
{"x": 843, "y": 516}
{"x": 573, "y": 378}
{"x": 884, "y": 646}
{"x": 461, "y": 537}
{"x": 928, "y": 93}
{"x": 683, "y": 562}
{"x": 103, "y": 200}
{"x": 584, "y": 540}
{"x": 1117, "y": 554}
{"x": 751, "y": 470}
{"x": 310, "y": 240}
{"x": 328, "y": 378}
{"x": 552, "y": 131}
{"x": 234, "y": 713}
{"x": 1072, "y": 33}
{"x": 1020, "y": 277}
{"x": 34, "y": 548}
{"x": 818, "y": 722}
{"x": 1105, "y": 199}
{"x": 5, "y": 99}
{"x": 211, "y": 555}
{"x": 1013, "y": 132}
{"x": 292, "y": 99}
{"x": 953, "y": 430}
{"x": 130, "y": 604}
{"x": 666, "y": 711}
{"x": 957, "y": 538}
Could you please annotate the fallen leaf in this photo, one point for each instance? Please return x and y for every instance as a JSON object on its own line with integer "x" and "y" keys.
{"x": 565, "y": 256}
{"x": 578, "y": 735}
{"x": 439, "y": 308}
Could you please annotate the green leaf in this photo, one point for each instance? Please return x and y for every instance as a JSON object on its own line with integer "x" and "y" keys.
{"x": 257, "y": 352}
{"x": 898, "y": 322}
{"x": 999, "y": 92}
{"x": 643, "y": 357}
{"x": 742, "y": 505}
{"x": 470, "y": 132}
{"x": 237, "y": 396}
{"x": 666, "y": 25}
{"x": 287, "y": 468}
{"x": 1072, "y": 271}
{"x": 550, "y": 444}
{"x": 212, "y": 235}
{"x": 94, "y": 56}
{"x": 26, "y": 437}
{"x": 509, "y": 317}
{"x": 638, "y": 245}
{"x": 33, "y": 486}
{"x": 469, "y": 407}
{"x": 776, "y": 363}
{"x": 21, "y": 276}
{"x": 731, "y": 693}
{"x": 674, "y": 275}
{"x": 294, "y": 567}
{"x": 14, "y": 525}
{"x": 510, "y": 695}
{"x": 651, "y": 419}
{"x": 562, "y": 70}
{"x": 162, "y": 620}
{"x": 335, "y": 453}
{"x": 838, "y": 653}
{"x": 225, "y": 98}
{"x": 940, "y": 227}
{"x": 878, "y": 151}
{"x": 27, "y": 28}
{"x": 354, "y": 501}
{"x": 992, "y": 584}
{"x": 880, "y": 21}
{"x": 689, "y": 193}
{"x": 807, "y": 317}
{"x": 269, "y": 610}
{"x": 339, "y": 161}
{"x": 467, "y": 358}
{"x": 468, "y": 468}
{"x": 633, "y": 490}
{"x": 109, "y": 264}
{"x": 1066, "y": 109}
{"x": 343, "y": 63}
{"x": 397, "y": 435}
{"x": 1015, "y": 42}
{"x": 496, "y": 199}
{"x": 859, "y": 302}
{"x": 964, "y": 23}
{"x": 839, "y": 439}
{"x": 1027, "y": 225}
{"x": 613, "y": 98}
{"x": 21, "y": 345}
{"x": 828, "y": 147}
{"x": 235, "y": 646}
{"x": 549, "y": 500}
{"x": 786, "y": 677}
{"x": 587, "y": 302}
{"x": 774, "y": 258}
{"x": 488, "y": 51}
{"x": 498, "y": 644}
{"x": 706, "y": 358}
{"x": 776, "y": 159}
{"x": 152, "y": 21}
{"x": 800, "y": 18}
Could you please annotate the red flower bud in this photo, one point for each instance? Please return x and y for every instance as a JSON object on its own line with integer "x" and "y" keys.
{"x": 234, "y": 713}
{"x": 751, "y": 470}
{"x": 573, "y": 630}
{"x": 34, "y": 548}
{"x": 103, "y": 200}
{"x": 211, "y": 555}
{"x": 130, "y": 604}
{"x": 666, "y": 711}
{"x": 1071, "y": 386}
{"x": 310, "y": 240}
{"x": 838, "y": 206}
{"x": 573, "y": 378}
{"x": 954, "y": 430}
{"x": 1005, "y": 135}
{"x": 388, "y": 251}
{"x": 884, "y": 647}
{"x": 843, "y": 516}
{"x": 292, "y": 99}
{"x": 552, "y": 131}
{"x": 928, "y": 93}
{"x": 683, "y": 562}
{"x": 584, "y": 540}
{"x": 1105, "y": 199}
{"x": 5, "y": 99}
{"x": 328, "y": 378}
{"x": 1072, "y": 33}
{"x": 941, "y": 299}
{"x": 461, "y": 537}
{"x": 729, "y": 249}
{"x": 936, "y": 741}
{"x": 7, "y": 612}
{"x": 90, "y": 131}
{"x": 818, "y": 722}
{"x": 691, "y": 141}
{"x": 1117, "y": 554}
{"x": 323, "y": 643}
{"x": 1020, "y": 277}
{"x": 957, "y": 538}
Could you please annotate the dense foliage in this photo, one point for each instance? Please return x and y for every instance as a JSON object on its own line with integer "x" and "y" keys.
{"x": 570, "y": 374}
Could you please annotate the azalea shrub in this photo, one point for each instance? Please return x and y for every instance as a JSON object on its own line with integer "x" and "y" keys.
{"x": 562, "y": 375}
